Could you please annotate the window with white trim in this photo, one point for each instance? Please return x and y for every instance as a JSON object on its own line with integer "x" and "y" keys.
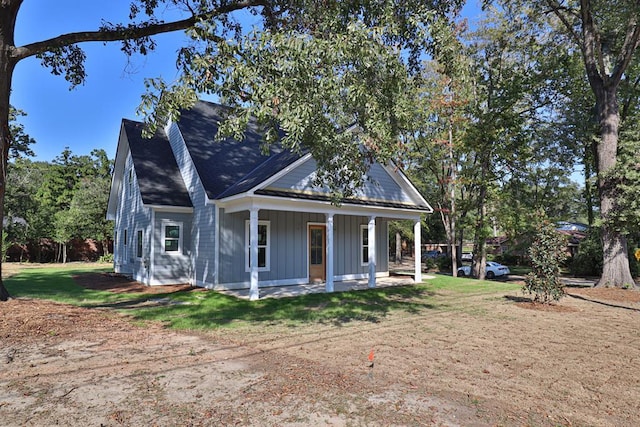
{"x": 364, "y": 244}
{"x": 130, "y": 181}
{"x": 264, "y": 246}
{"x": 172, "y": 237}
{"x": 139, "y": 236}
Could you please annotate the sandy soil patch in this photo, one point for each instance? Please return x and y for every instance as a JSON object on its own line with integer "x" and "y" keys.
{"x": 474, "y": 361}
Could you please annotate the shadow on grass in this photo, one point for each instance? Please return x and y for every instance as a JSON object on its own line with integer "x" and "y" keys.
{"x": 205, "y": 310}
{"x": 55, "y": 284}
{"x": 514, "y": 298}
{"x": 607, "y": 304}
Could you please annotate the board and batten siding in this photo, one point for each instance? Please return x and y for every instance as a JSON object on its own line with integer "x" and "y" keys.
{"x": 131, "y": 216}
{"x": 288, "y": 247}
{"x": 348, "y": 247}
{"x": 204, "y": 215}
{"x": 380, "y": 186}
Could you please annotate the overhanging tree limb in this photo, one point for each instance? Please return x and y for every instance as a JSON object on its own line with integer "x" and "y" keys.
{"x": 121, "y": 33}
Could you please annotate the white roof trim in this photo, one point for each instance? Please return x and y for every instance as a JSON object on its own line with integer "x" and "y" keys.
{"x": 403, "y": 181}
{"x": 315, "y": 206}
{"x": 122, "y": 152}
{"x": 164, "y": 208}
{"x": 280, "y": 174}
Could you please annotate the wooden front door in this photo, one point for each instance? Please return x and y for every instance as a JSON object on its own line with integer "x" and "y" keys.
{"x": 317, "y": 263}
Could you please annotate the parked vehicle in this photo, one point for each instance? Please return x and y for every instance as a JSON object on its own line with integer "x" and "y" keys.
{"x": 467, "y": 256}
{"x": 431, "y": 254}
{"x": 493, "y": 270}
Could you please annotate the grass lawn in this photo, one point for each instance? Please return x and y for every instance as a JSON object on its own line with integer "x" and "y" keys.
{"x": 210, "y": 309}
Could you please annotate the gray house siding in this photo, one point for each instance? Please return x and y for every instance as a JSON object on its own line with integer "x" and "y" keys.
{"x": 204, "y": 215}
{"x": 172, "y": 267}
{"x": 348, "y": 247}
{"x": 288, "y": 247}
{"x": 380, "y": 186}
{"x": 132, "y": 216}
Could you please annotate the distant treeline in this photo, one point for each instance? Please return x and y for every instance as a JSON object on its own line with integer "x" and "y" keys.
{"x": 56, "y": 211}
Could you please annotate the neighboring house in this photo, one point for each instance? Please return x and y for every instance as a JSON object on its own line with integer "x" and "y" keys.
{"x": 189, "y": 209}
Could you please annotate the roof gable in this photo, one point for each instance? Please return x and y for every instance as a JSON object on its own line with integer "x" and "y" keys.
{"x": 384, "y": 186}
{"x": 156, "y": 169}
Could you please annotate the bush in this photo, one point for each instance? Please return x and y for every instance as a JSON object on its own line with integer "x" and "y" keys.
{"x": 588, "y": 260}
{"x": 444, "y": 263}
{"x": 547, "y": 252}
{"x": 430, "y": 263}
{"x": 634, "y": 262}
{"x": 108, "y": 258}
{"x": 508, "y": 259}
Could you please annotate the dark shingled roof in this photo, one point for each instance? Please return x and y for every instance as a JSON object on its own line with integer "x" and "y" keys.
{"x": 156, "y": 168}
{"x": 228, "y": 167}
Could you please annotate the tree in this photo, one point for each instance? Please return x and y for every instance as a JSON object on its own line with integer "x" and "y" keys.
{"x": 343, "y": 50}
{"x": 608, "y": 37}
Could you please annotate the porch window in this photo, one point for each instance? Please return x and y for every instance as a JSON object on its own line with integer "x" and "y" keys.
{"x": 139, "y": 235}
{"x": 364, "y": 245}
{"x": 264, "y": 242}
{"x": 172, "y": 241}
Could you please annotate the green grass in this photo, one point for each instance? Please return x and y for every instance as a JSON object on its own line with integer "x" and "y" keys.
{"x": 57, "y": 284}
{"x": 207, "y": 310}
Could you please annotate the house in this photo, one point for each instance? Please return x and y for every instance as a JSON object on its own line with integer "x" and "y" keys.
{"x": 222, "y": 215}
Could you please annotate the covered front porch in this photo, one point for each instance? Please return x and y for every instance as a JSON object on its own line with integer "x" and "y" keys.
{"x": 313, "y": 288}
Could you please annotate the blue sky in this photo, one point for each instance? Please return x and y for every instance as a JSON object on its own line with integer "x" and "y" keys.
{"x": 88, "y": 116}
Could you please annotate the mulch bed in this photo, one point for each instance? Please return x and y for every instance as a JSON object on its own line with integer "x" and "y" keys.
{"x": 119, "y": 283}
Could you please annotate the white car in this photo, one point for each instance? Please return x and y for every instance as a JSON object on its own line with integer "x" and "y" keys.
{"x": 493, "y": 270}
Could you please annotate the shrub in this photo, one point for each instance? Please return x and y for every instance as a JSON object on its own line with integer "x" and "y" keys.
{"x": 588, "y": 260}
{"x": 430, "y": 263}
{"x": 108, "y": 258}
{"x": 546, "y": 253}
{"x": 508, "y": 259}
{"x": 444, "y": 263}
{"x": 634, "y": 261}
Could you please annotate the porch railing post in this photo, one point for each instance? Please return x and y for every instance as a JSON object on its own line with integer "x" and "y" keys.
{"x": 417, "y": 252}
{"x": 329, "y": 254}
{"x": 372, "y": 251}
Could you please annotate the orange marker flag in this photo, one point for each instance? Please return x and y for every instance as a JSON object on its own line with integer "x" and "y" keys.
{"x": 371, "y": 356}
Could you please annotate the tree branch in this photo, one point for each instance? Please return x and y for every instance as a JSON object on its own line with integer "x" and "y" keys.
{"x": 629, "y": 47}
{"x": 128, "y": 33}
{"x": 557, "y": 9}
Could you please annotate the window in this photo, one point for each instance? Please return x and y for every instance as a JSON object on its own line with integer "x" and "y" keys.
{"x": 130, "y": 181}
{"x": 172, "y": 237}
{"x": 139, "y": 244}
{"x": 364, "y": 244}
{"x": 264, "y": 241}
{"x": 125, "y": 237}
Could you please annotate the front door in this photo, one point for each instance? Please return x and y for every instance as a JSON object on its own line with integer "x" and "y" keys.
{"x": 317, "y": 264}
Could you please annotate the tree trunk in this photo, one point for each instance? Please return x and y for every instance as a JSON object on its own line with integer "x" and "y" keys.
{"x": 480, "y": 237}
{"x": 8, "y": 13}
{"x": 480, "y": 240}
{"x": 615, "y": 271}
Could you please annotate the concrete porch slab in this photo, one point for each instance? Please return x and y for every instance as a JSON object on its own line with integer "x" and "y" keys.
{"x": 312, "y": 288}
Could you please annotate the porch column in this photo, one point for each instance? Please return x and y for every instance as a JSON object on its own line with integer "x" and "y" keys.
{"x": 372, "y": 251}
{"x": 254, "y": 293}
{"x": 329, "y": 254}
{"x": 417, "y": 252}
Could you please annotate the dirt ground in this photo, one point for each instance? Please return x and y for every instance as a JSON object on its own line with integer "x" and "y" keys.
{"x": 479, "y": 361}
